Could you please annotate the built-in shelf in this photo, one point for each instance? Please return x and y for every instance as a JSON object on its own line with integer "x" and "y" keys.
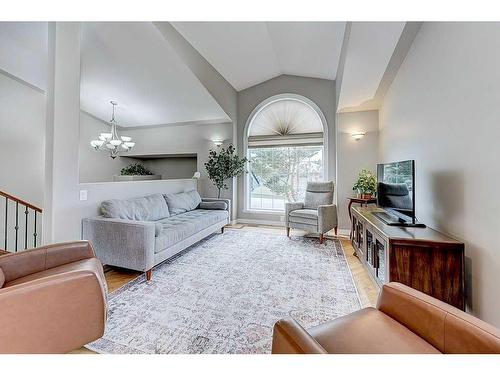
{"x": 159, "y": 156}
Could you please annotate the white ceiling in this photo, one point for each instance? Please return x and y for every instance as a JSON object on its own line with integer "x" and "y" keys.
{"x": 371, "y": 45}
{"x": 248, "y": 53}
{"x": 132, "y": 64}
{"x": 23, "y": 47}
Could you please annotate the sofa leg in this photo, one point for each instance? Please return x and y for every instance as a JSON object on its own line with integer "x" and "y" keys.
{"x": 287, "y": 231}
{"x": 149, "y": 274}
{"x": 222, "y": 230}
{"x": 321, "y": 238}
{"x": 335, "y": 229}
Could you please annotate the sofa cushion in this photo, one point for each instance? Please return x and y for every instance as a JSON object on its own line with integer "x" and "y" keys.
{"x": 215, "y": 205}
{"x": 304, "y": 216}
{"x": 182, "y": 202}
{"x": 318, "y": 194}
{"x": 179, "y": 227}
{"x": 148, "y": 208}
{"x": 369, "y": 331}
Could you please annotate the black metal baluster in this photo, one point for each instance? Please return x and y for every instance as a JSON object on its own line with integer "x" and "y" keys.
{"x": 17, "y": 222}
{"x": 26, "y": 227}
{"x": 6, "y": 216}
{"x": 34, "y": 233}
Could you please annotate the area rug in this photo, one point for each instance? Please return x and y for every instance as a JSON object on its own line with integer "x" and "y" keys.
{"x": 224, "y": 294}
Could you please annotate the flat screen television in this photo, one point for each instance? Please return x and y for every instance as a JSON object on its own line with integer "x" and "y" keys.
{"x": 396, "y": 193}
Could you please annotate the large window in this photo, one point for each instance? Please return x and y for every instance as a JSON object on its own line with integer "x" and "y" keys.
{"x": 285, "y": 147}
{"x": 280, "y": 174}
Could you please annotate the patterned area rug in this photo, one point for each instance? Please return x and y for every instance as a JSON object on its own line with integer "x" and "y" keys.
{"x": 223, "y": 295}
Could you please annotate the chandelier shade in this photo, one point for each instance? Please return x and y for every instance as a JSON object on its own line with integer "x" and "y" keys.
{"x": 112, "y": 142}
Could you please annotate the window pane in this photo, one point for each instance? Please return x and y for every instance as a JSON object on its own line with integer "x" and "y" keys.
{"x": 280, "y": 174}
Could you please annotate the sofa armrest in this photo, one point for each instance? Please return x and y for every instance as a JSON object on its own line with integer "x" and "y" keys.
{"x": 120, "y": 242}
{"x": 292, "y": 206}
{"x": 327, "y": 217}
{"x": 54, "y": 314}
{"x": 24, "y": 263}
{"x": 227, "y": 201}
{"x": 289, "y": 337}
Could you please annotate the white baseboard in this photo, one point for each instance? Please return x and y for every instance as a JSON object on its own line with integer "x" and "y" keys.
{"x": 261, "y": 222}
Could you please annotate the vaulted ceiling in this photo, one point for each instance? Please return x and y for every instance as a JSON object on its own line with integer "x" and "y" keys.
{"x": 248, "y": 53}
{"x": 132, "y": 63}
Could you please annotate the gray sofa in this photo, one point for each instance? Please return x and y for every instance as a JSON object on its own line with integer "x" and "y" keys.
{"x": 140, "y": 233}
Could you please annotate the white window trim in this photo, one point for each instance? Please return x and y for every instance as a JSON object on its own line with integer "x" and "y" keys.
{"x": 253, "y": 114}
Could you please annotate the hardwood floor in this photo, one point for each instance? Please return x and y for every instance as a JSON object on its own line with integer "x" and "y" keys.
{"x": 367, "y": 289}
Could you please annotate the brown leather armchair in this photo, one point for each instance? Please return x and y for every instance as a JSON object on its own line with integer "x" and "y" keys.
{"x": 405, "y": 321}
{"x": 52, "y": 299}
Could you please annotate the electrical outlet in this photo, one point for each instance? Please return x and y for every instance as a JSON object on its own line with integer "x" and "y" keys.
{"x": 83, "y": 195}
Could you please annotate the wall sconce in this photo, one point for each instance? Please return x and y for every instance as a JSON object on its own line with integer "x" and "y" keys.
{"x": 217, "y": 142}
{"x": 357, "y": 136}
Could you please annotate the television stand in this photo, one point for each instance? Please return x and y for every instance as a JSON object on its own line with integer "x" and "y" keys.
{"x": 421, "y": 258}
{"x": 397, "y": 221}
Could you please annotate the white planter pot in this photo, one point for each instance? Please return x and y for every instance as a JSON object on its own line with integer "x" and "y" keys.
{"x": 137, "y": 177}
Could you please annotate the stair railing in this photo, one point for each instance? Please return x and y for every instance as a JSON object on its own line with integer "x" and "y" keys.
{"x": 18, "y": 227}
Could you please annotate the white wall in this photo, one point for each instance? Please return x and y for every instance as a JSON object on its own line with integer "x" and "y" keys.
{"x": 443, "y": 111}
{"x": 22, "y": 140}
{"x": 176, "y": 139}
{"x": 96, "y": 166}
{"x": 353, "y": 156}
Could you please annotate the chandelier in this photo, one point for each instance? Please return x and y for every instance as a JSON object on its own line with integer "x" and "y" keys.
{"x": 111, "y": 142}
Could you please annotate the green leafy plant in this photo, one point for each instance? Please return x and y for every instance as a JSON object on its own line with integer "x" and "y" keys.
{"x": 224, "y": 165}
{"x": 366, "y": 183}
{"x": 135, "y": 169}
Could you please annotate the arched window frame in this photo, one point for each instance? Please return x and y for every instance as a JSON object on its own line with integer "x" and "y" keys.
{"x": 248, "y": 124}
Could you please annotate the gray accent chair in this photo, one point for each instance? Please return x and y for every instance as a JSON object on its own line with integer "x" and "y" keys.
{"x": 316, "y": 214}
{"x": 140, "y": 233}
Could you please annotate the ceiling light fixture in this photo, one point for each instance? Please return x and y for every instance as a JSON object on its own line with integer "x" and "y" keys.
{"x": 111, "y": 142}
{"x": 357, "y": 136}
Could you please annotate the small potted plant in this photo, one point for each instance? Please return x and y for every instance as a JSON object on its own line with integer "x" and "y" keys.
{"x": 136, "y": 172}
{"x": 366, "y": 185}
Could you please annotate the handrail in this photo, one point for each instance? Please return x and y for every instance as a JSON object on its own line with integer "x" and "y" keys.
{"x": 20, "y": 201}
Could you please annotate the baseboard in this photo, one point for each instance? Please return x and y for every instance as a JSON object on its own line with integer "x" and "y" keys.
{"x": 261, "y": 222}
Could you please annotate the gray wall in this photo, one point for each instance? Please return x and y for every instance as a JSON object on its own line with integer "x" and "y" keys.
{"x": 172, "y": 168}
{"x": 22, "y": 140}
{"x": 320, "y": 91}
{"x": 352, "y": 155}
{"x": 176, "y": 139}
{"x": 443, "y": 111}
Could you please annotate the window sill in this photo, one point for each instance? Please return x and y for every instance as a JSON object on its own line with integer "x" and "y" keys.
{"x": 268, "y": 212}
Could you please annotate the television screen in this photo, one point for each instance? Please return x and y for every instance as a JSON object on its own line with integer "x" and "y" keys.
{"x": 395, "y": 189}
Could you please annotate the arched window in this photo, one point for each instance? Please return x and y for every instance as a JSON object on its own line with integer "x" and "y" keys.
{"x": 285, "y": 143}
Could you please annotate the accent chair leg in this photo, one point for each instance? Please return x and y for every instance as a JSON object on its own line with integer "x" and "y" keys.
{"x": 335, "y": 229}
{"x": 321, "y": 238}
{"x": 149, "y": 274}
{"x": 288, "y": 231}
{"x": 222, "y": 230}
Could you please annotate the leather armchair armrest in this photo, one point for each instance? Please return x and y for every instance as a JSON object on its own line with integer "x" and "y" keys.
{"x": 327, "y": 217}
{"x": 54, "y": 314}
{"x": 289, "y": 337}
{"x": 292, "y": 206}
{"x": 24, "y": 263}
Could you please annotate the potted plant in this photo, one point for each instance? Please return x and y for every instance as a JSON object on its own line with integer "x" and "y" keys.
{"x": 136, "y": 172}
{"x": 223, "y": 165}
{"x": 366, "y": 184}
